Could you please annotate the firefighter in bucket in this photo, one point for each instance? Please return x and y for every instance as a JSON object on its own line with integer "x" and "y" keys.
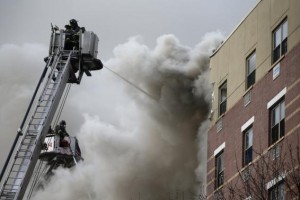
{"x": 60, "y": 130}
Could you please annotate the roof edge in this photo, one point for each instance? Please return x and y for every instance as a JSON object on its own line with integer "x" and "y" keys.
{"x": 239, "y": 24}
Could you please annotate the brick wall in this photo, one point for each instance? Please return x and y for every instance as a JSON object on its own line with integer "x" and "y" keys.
{"x": 261, "y": 93}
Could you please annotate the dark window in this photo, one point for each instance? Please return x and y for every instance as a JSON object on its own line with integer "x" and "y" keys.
{"x": 218, "y": 195}
{"x": 219, "y": 169}
{"x": 277, "y": 121}
{"x": 251, "y": 65}
{"x": 277, "y": 192}
{"x": 247, "y": 146}
{"x": 222, "y": 98}
{"x": 280, "y": 40}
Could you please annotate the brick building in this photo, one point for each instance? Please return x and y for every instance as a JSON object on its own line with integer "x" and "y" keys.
{"x": 254, "y": 135}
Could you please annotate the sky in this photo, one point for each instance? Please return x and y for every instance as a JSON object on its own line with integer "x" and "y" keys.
{"x": 115, "y": 21}
{"x": 127, "y": 135}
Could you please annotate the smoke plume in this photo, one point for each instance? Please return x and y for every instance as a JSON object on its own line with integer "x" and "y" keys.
{"x": 145, "y": 141}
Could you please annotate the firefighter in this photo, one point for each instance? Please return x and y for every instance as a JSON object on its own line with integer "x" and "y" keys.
{"x": 73, "y": 34}
{"x": 69, "y": 43}
{"x": 60, "y": 130}
{"x": 74, "y": 25}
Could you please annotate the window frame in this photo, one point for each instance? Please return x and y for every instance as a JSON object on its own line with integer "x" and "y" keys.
{"x": 280, "y": 36}
{"x": 250, "y": 76}
{"x": 219, "y": 169}
{"x": 277, "y": 191}
{"x": 247, "y": 150}
{"x": 222, "y": 107}
{"x": 277, "y": 121}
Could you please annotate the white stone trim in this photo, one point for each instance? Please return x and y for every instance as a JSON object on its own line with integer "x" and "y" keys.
{"x": 274, "y": 181}
{"x": 219, "y": 149}
{"x": 247, "y": 124}
{"x": 276, "y": 98}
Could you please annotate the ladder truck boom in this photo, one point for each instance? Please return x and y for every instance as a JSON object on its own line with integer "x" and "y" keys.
{"x": 68, "y": 60}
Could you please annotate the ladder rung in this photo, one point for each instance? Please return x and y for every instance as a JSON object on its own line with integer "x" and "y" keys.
{"x": 43, "y": 100}
{"x": 30, "y": 135}
{"x": 40, "y": 111}
{"x": 10, "y": 194}
{"x": 25, "y": 143}
{"x": 15, "y": 164}
{"x": 10, "y": 190}
{"x": 13, "y": 178}
{"x": 11, "y": 187}
{"x": 32, "y": 131}
{"x": 38, "y": 118}
{"x": 29, "y": 138}
{"x": 51, "y": 89}
{"x": 36, "y": 121}
{"x": 7, "y": 193}
{"x": 46, "y": 99}
{"x": 48, "y": 94}
{"x": 24, "y": 155}
{"x": 25, "y": 150}
{"x": 36, "y": 124}
{"x": 17, "y": 171}
{"x": 42, "y": 106}
{"x": 52, "y": 84}
{"x": 28, "y": 157}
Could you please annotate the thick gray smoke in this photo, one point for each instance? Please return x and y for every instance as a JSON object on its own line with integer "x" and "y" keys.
{"x": 140, "y": 144}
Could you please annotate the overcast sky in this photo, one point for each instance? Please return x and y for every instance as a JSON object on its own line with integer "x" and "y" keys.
{"x": 25, "y": 33}
{"x": 116, "y": 20}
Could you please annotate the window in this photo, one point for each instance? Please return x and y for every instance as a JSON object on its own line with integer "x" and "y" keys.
{"x": 219, "y": 125}
{"x": 250, "y": 71}
{"x": 280, "y": 40}
{"x": 275, "y": 151}
{"x": 247, "y": 146}
{"x": 222, "y": 98}
{"x": 277, "y": 121}
{"x": 247, "y": 98}
{"x": 246, "y": 174}
{"x": 277, "y": 192}
{"x": 219, "y": 169}
{"x": 218, "y": 195}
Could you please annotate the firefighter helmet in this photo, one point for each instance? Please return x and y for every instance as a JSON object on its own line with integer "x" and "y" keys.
{"x": 73, "y": 22}
{"x": 62, "y": 123}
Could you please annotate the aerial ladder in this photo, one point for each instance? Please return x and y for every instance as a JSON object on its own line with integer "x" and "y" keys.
{"x": 68, "y": 60}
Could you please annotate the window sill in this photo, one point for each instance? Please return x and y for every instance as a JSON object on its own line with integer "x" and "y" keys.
{"x": 220, "y": 117}
{"x": 250, "y": 88}
{"x": 274, "y": 144}
{"x": 218, "y": 189}
{"x": 245, "y": 167}
{"x": 275, "y": 63}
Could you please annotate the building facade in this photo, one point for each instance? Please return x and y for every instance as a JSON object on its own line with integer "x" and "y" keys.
{"x": 253, "y": 140}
